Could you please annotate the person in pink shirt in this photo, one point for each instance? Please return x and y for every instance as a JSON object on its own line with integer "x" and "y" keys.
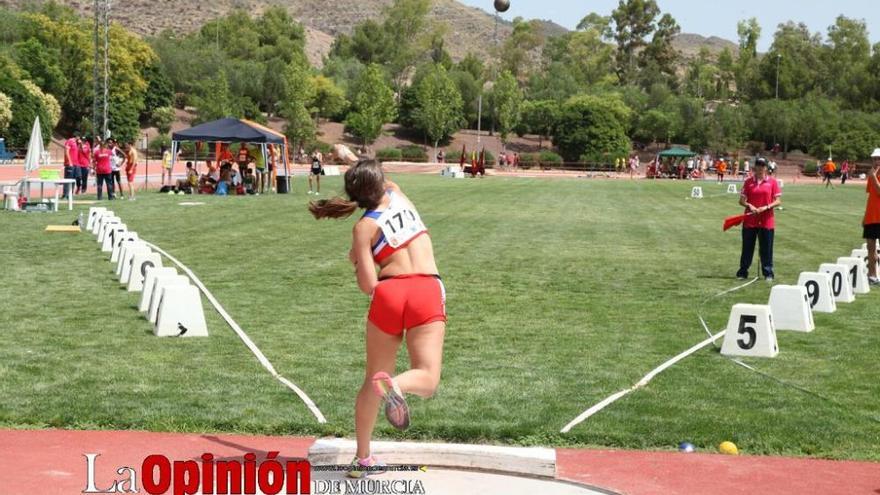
{"x": 104, "y": 169}
{"x": 844, "y": 172}
{"x": 71, "y": 160}
{"x": 85, "y": 161}
{"x": 760, "y": 195}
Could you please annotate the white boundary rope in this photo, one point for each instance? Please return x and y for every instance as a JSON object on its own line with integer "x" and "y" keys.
{"x": 243, "y": 336}
{"x": 656, "y": 371}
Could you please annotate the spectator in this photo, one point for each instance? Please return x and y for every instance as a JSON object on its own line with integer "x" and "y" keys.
{"x": 71, "y": 161}
{"x": 117, "y": 158}
{"x": 721, "y": 169}
{"x": 828, "y": 172}
{"x": 131, "y": 159}
{"x": 104, "y": 169}
{"x": 166, "y": 164}
{"x": 85, "y": 162}
{"x": 316, "y": 171}
{"x": 844, "y": 172}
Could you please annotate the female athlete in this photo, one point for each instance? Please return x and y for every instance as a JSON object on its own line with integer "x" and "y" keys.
{"x": 408, "y": 300}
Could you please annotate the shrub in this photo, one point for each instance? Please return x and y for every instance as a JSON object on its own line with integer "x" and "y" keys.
{"x": 811, "y": 167}
{"x": 25, "y": 107}
{"x": 413, "y": 153}
{"x": 528, "y": 160}
{"x": 389, "y": 155}
{"x": 549, "y": 158}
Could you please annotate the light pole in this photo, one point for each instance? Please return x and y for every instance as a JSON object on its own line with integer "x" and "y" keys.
{"x": 778, "y": 58}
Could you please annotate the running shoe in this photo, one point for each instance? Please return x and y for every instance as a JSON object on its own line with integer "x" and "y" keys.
{"x": 874, "y": 280}
{"x": 396, "y": 409}
{"x": 361, "y": 468}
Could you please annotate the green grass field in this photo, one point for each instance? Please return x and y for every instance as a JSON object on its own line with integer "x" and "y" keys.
{"x": 560, "y": 292}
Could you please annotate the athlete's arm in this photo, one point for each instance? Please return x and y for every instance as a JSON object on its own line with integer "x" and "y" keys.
{"x": 362, "y": 256}
{"x": 873, "y": 177}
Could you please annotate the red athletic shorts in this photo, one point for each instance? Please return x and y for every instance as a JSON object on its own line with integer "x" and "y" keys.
{"x": 129, "y": 173}
{"x": 407, "y": 301}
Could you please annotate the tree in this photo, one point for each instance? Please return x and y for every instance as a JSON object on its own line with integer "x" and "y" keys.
{"x": 747, "y": 77}
{"x": 215, "y": 100}
{"x": 514, "y": 56}
{"x": 555, "y": 82}
{"x": 299, "y": 95}
{"x": 660, "y": 52}
{"x": 329, "y": 100}
{"x": 703, "y": 77}
{"x": 473, "y": 66}
{"x": 470, "y": 90}
{"x": 372, "y": 105}
{"x": 507, "y": 99}
{"x": 5, "y": 111}
{"x": 50, "y": 104}
{"x": 797, "y": 53}
{"x": 42, "y": 65}
{"x": 540, "y": 117}
{"x": 846, "y": 59}
{"x": 409, "y": 37}
{"x": 656, "y": 124}
{"x": 727, "y": 128}
{"x": 775, "y": 121}
{"x": 26, "y": 107}
{"x": 162, "y": 118}
{"x": 160, "y": 92}
{"x": 633, "y": 22}
{"x": 439, "y": 112}
{"x": 593, "y": 127}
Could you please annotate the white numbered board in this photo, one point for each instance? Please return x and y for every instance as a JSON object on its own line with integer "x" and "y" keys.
{"x": 840, "y": 285}
{"x": 95, "y": 213}
{"x": 121, "y": 241}
{"x": 140, "y": 263}
{"x": 697, "y": 192}
{"x": 819, "y": 293}
{"x": 750, "y": 332}
{"x": 110, "y": 236}
{"x": 857, "y": 274}
{"x": 152, "y": 273}
{"x": 790, "y": 306}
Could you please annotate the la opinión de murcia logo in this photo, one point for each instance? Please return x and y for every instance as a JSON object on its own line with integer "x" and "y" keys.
{"x": 159, "y": 475}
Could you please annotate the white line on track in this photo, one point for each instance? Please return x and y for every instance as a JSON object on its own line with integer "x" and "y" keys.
{"x": 243, "y": 336}
{"x": 656, "y": 371}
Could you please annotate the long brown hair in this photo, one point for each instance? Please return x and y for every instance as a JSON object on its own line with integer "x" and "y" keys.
{"x": 364, "y": 185}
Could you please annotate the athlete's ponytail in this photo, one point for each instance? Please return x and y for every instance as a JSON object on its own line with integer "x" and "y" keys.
{"x": 332, "y": 208}
{"x": 364, "y": 185}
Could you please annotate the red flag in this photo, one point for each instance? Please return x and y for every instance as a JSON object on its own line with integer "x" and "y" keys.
{"x": 733, "y": 221}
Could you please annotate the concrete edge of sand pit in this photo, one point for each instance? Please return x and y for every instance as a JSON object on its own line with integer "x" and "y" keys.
{"x": 526, "y": 461}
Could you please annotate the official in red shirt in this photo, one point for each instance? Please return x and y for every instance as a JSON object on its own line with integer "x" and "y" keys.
{"x": 71, "y": 160}
{"x": 85, "y": 161}
{"x": 103, "y": 169}
{"x": 760, "y": 195}
{"x": 871, "y": 222}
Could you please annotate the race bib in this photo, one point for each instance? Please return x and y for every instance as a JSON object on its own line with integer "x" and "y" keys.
{"x": 400, "y": 223}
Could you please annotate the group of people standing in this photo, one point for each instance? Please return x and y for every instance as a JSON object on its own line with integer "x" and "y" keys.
{"x": 106, "y": 158}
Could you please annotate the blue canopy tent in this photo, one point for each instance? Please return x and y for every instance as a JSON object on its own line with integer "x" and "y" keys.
{"x": 231, "y": 130}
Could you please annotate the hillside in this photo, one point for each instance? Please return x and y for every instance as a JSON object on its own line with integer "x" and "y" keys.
{"x": 468, "y": 29}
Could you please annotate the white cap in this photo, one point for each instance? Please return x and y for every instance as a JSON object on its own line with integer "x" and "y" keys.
{"x": 876, "y": 153}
